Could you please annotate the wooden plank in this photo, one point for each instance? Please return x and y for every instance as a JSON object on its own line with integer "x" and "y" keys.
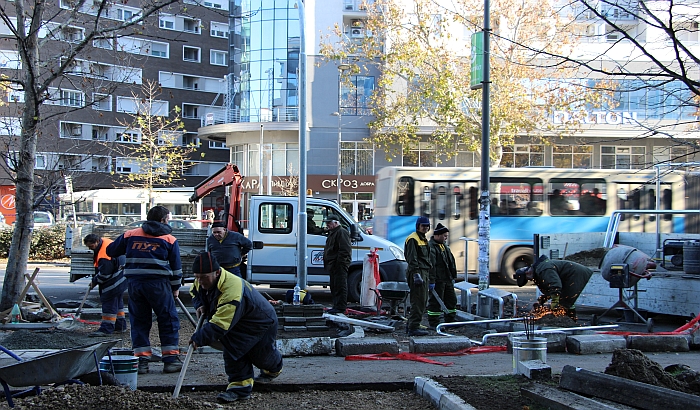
{"x": 41, "y": 296}
{"x": 556, "y": 399}
{"x": 628, "y": 392}
{"x": 5, "y": 315}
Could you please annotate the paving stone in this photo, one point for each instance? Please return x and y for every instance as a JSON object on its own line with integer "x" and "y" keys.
{"x": 308, "y": 346}
{"x": 438, "y": 344}
{"x": 592, "y": 344}
{"x": 346, "y": 346}
{"x": 658, "y": 343}
{"x": 535, "y": 370}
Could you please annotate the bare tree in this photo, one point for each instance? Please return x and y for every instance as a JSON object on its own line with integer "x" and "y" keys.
{"x": 51, "y": 39}
{"x": 159, "y": 156}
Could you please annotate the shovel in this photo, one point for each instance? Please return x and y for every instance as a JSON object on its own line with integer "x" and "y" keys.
{"x": 440, "y": 302}
{"x": 74, "y": 323}
{"x": 188, "y": 357}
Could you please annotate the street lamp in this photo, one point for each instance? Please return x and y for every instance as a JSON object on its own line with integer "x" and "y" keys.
{"x": 340, "y": 138}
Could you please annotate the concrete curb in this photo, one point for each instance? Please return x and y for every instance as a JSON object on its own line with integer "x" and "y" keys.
{"x": 438, "y": 395}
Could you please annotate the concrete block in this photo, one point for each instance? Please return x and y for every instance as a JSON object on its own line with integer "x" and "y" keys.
{"x": 535, "y": 370}
{"x": 308, "y": 346}
{"x": 592, "y": 344}
{"x": 346, "y": 346}
{"x": 658, "y": 343}
{"x": 438, "y": 395}
{"x": 694, "y": 339}
{"x": 438, "y": 344}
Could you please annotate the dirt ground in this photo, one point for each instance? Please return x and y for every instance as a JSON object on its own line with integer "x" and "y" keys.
{"x": 589, "y": 258}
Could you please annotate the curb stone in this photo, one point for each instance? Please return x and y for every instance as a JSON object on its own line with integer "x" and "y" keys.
{"x": 438, "y": 395}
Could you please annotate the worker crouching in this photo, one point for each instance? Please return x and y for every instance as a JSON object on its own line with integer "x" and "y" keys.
{"x": 241, "y": 319}
{"x": 559, "y": 280}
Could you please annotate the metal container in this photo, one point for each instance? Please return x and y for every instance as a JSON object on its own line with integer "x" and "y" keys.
{"x": 524, "y": 349}
{"x": 125, "y": 369}
{"x": 635, "y": 259}
{"x": 691, "y": 257}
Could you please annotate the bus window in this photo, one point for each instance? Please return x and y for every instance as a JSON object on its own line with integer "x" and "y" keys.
{"x": 442, "y": 203}
{"x": 569, "y": 196}
{"x": 651, "y": 202}
{"x": 666, "y": 201}
{"x": 404, "y": 197}
{"x": 516, "y": 197}
{"x": 457, "y": 208}
{"x": 426, "y": 201}
{"x": 592, "y": 200}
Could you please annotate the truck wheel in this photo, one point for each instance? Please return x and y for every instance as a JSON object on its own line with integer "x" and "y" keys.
{"x": 354, "y": 283}
{"x": 515, "y": 259}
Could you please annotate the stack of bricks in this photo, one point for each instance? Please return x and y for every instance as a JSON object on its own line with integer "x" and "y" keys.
{"x": 293, "y": 318}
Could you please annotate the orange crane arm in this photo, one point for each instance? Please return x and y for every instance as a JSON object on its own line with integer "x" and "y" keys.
{"x": 226, "y": 176}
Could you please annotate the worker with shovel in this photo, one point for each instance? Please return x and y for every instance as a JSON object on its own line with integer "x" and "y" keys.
{"x": 442, "y": 276}
{"x": 110, "y": 280}
{"x": 242, "y": 320}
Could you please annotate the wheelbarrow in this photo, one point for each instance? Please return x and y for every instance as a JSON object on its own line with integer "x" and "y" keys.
{"x": 62, "y": 366}
{"x": 393, "y": 292}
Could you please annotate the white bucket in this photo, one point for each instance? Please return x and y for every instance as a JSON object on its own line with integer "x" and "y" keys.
{"x": 525, "y": 349}
{"x": 125, "y": 369}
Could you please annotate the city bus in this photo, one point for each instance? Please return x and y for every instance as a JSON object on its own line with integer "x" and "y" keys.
{"x": 524, "y": 201}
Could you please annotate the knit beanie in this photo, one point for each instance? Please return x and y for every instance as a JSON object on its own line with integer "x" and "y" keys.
{"x": 205, "y": 262}
{"x": 440, "y": 229}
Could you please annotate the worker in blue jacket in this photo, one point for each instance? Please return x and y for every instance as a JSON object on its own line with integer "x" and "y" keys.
{"x": 153, "y": 271}
{"x": 228, "y": 247}
{"x": 241, "y": 319}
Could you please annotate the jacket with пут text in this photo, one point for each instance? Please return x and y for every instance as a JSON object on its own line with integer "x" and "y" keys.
{"x": 442, "y": 261}
{"x": 238, "y": 314}
{"x": 417, "y": 253}
{"x": 563, "y": 278}
{"x": 230, "y": 251}
{"x": 108, "y": 276}
{"x": 338, "y": 249}
{"x": 151, "y": 253}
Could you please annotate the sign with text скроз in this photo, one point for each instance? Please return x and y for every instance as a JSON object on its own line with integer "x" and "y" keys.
{"x": 476, "y": 80}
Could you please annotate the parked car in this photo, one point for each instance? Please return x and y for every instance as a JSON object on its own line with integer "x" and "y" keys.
{"x": 43, "y": 219}
{"x": 367, "y": 225}
{"x": 175, "y": 223}
{"x": 85, "y": 218}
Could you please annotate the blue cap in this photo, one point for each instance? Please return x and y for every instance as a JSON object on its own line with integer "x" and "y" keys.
{"x": 422, "y": 221}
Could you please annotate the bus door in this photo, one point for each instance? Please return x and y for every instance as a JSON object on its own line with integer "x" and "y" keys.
{"x": 643, "y": 196}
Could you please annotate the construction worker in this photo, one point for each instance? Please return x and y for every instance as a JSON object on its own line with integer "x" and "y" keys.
{"x": 229, "y": 247}
{"x": 337, "y": 255}
{"x": 417, "y": 254}
{"x": 442, "y": 278}
{"x": 559, "y": 280}
{"x": 241, "y": 319}
{"x": 110, "y": 280}
{"x": 154, "y": 272}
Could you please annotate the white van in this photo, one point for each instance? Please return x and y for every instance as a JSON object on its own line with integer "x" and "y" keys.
{"x": 273, "y": 224}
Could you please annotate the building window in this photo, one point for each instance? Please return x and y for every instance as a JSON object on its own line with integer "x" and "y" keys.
{"x": 238, "y": 156}
{"x": 166, "y": 22}
{"x": 190, "y": 139}
{"x": 572, "y": 156}
{"x": 101, "y": 102}
{"x": 128, "y": 136}
{"x": 466, "y": 158}
{"x": 671, "y": 154}
{"x": 71, "y": 98}
{"x": 71, "y": 130}
{"x": 191, "y": 25}
{"x": 190, "y": 111}
{"x": 218, "y": 30}
{"x": 217, "y": 145}
{"x": 192, "y": 54}
{"x": 355, "y": 98}
{"x": 218, "y": 57}
{"x": 357, "y": 158}
{"x": 423, "y": 156}
{"x": 622, "y": 157}
{"x": 517, "y": 156}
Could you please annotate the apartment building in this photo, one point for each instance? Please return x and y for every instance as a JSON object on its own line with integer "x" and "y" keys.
{"x": 262, "y": 95}
{"x": 87, "y": 129}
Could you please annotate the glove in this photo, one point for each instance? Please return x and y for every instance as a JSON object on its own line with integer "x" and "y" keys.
{"x": 417, "y": 279}
{"x": 431, "y": 286}
{"x": 555, "y": 302}
{"x": 542, "y": 299}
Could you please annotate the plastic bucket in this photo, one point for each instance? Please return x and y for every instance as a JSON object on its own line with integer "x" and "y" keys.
{"x": 525, "y": 349}
{"x": 125, "y": 369}
{"x": 691, "y": 257}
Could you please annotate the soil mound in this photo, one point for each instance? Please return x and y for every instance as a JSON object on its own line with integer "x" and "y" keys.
{"x": 590, "y": 258}
{"x": 550, "y": 320}
{"x": 634, "y": 365}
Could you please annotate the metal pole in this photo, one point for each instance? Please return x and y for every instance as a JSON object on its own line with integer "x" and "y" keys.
{"x": 484, "y": 211}
{"x": 302, "y": 222}
{"x": 340, "y": 138}
{"x": 260, "y": 160}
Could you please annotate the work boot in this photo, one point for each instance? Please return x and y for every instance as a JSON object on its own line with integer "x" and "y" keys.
{"x": 418, "y": 332}
{"x": 229, "y": 396}
{"x": 143, "y": 366}
{"x": 264, "y": 378}
{"x": 98, "y": 333}
{"x": 172, "y": 367}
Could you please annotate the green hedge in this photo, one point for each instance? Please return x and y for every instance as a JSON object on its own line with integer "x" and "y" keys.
{"x": 47, "y": 243}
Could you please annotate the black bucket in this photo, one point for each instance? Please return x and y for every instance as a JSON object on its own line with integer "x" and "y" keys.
{"x": 691, "y": 257}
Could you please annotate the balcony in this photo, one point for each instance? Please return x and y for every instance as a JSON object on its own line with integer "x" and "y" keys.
{"x": 281, "y": 114}
{"x": 356, "y": 5}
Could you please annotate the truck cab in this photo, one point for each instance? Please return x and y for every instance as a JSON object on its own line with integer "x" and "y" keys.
{"x": 273, "y": 224}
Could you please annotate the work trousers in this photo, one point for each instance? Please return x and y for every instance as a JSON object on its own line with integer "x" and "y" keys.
{"x": 113, "y": 317}
{"x": 419, "y": 298}
{"x": 446, "y": 292}
{"x": 146, "y": 296}
{"x": 339, "y": 286}
{"x": 260, "y": 352}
